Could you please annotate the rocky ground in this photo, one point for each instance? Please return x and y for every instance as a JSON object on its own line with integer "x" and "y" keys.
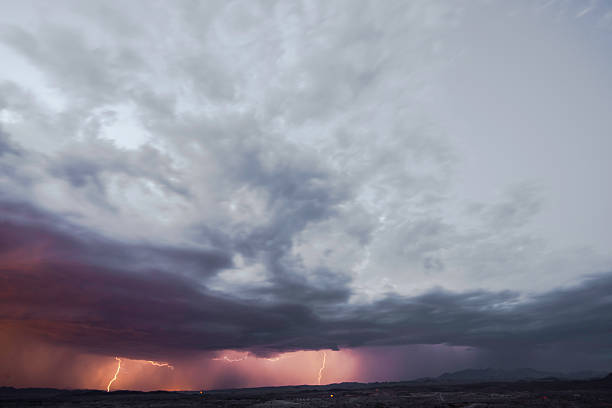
{"x": 553, "y": 393}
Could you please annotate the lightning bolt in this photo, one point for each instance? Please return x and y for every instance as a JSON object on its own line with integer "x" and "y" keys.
{"x": 231, "y": 360}
{"x": 235, "y": 360}
{"x": 116, "y": 374}
{"x": 322, "y": 367}
{"x": 155, "y": 363}
{"x": 160, "y": 364}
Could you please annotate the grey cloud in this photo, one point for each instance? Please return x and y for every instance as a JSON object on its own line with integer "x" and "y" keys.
{"x": 496, "y": 321}
{"x": 11, "y": 156}
{"x": 88, "y": 72}
{"x": 7, "y": 146}
{"x": 103, "y": 297}
{"x": 27, "y": 227}
{"x": 518, "y": 206}
{"x": 87, "y": 164}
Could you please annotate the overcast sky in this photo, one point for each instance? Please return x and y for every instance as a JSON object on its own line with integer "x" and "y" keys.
{"x": 409, "y": 186}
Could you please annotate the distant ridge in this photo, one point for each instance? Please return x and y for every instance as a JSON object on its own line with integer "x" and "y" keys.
{"x": 517, "y": 374}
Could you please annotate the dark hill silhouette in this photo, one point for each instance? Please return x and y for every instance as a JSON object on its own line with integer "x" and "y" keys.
{"x": 518, "y": 374}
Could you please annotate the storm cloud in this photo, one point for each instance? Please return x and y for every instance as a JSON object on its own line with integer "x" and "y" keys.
{"x": 277, "y": 177}
{"x": 70, "y": 286}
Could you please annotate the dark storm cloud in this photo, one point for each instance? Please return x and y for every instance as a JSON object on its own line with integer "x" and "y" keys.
{"x": 50, "y": 239}
{"x": 86, "y": 166}
{"x": 76, "y": 288}
{"x": 493, "y": 320}
{"x": 251, "y": 175}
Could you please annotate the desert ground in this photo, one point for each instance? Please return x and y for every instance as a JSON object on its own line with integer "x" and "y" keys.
{"x": 548, "y": 393}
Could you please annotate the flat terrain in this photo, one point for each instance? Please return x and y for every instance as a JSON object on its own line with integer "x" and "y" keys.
{"x": 553, "y": 393}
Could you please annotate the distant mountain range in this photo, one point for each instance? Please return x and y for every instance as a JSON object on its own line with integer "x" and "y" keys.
{"x": 517, "y": 374}
{"x": 469, "y": 376}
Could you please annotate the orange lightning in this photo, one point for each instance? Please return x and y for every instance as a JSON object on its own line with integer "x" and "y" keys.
{"x": 116, "y": 374}
{"x": 160, "y": 364}
{"x": 231, "y": 360}
{"x": 155, "y": 363}
{"x": 235, "y": 360}
{"x": 322, "y": 367}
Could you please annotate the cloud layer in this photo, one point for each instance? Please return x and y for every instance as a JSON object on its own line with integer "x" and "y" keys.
{"x": 69, "y": 286}
{"x": 300, "y": 176}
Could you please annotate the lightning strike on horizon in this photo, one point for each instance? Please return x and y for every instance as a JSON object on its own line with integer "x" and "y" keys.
{"x": 116, "y": 374}
{"x": 322, "y": 367}
{"x": 155, "y": 363}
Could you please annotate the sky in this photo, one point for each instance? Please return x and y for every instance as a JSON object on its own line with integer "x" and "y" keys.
{"x": 300, "y": 192}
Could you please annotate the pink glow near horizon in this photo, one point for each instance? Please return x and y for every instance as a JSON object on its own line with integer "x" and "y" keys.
{"x": 60, "y": 367}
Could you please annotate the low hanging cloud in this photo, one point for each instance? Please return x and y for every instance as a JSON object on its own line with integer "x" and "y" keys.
{"x": 66, "y": 285}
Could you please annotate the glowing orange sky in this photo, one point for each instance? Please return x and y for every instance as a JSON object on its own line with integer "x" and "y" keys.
{"x": 32, "y": 363}
{"x": 300, "y": 367}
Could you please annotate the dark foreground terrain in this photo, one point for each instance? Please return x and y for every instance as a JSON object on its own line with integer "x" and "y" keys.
{"x": 542, "y": 393}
